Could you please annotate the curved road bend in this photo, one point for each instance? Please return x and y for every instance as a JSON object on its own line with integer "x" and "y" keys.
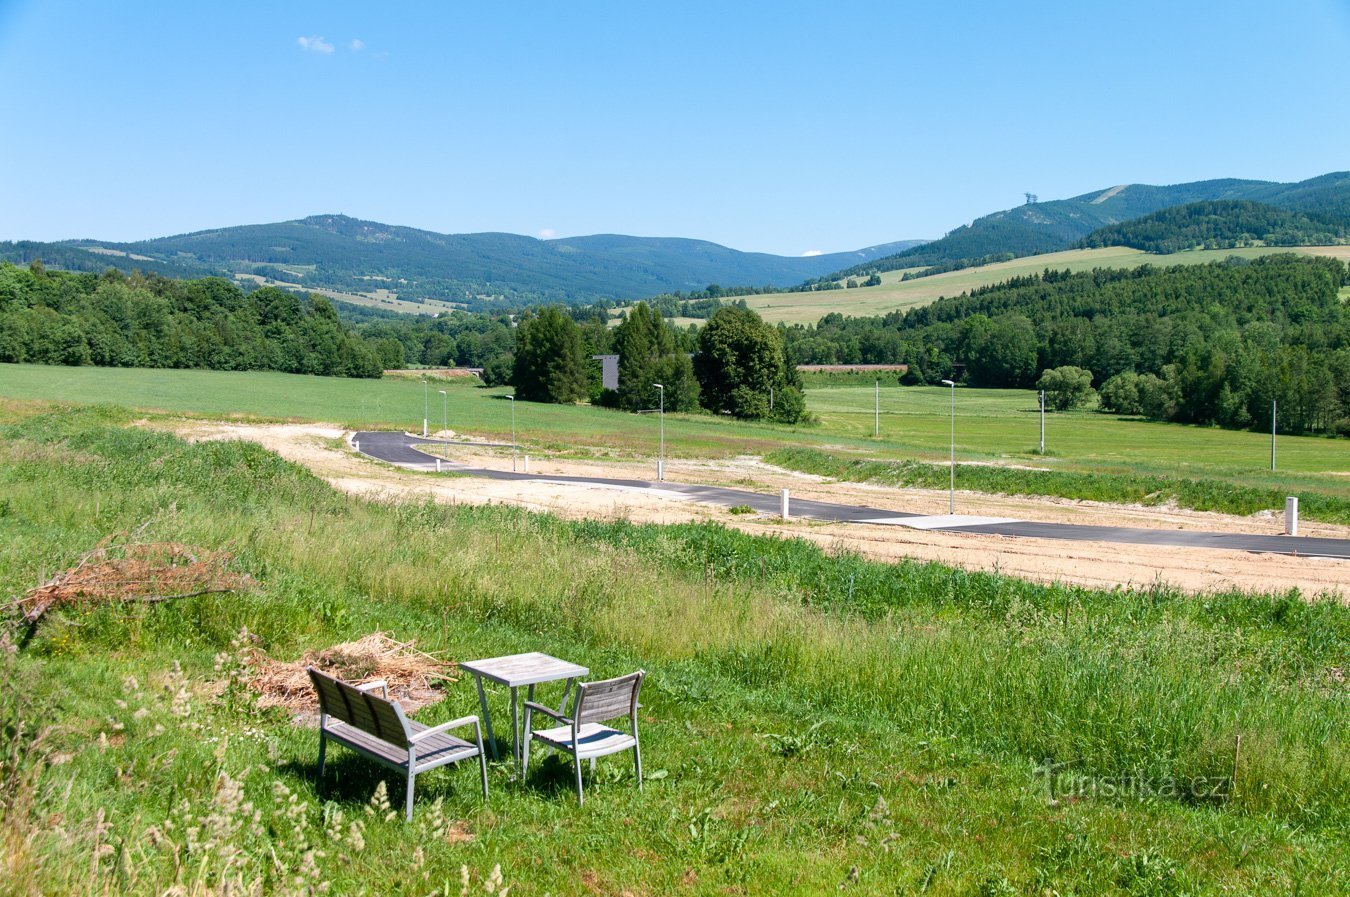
{"x": 401, "y": 449}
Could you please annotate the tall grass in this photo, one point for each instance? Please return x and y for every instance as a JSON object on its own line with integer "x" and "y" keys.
{"x": 1146, "y": 489}
{"x": 962, "y": 682}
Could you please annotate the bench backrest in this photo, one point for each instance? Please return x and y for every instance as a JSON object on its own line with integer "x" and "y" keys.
{"x": 610, "y": 698}
{"x": 363, "y": 710}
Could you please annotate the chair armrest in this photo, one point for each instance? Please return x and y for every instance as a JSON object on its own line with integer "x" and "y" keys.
{"x": 371, "y": 686}
{"x": 436, "y": 730}
{"x": 547, "y": 711}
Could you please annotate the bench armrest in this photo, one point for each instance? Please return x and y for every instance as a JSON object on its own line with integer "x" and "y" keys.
{"x": 453, "y": 724}
{"x": 547, "y": 711}
{"x": 371, "y": 686}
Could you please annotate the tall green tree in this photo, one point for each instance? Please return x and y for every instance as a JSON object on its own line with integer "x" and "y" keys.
{"x": 740, "y": 361}
{"x": 550, "y": 362}
{"x": 641, "y": 341}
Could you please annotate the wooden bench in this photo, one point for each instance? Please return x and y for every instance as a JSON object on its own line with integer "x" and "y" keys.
{"x": 376, "y": 728}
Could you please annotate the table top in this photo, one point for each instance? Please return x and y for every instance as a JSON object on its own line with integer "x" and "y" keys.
{"x": 524, "y": 669}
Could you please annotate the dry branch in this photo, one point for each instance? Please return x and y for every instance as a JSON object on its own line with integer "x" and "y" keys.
{"x": 138, "y": 572}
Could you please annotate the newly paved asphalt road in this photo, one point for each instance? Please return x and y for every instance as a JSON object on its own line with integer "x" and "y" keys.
{"x": 401, "y": 449}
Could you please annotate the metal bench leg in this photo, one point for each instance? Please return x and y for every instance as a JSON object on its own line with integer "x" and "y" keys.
{"x": 576, "y": 761}
{"x": 637, "y": 761}
{"x": 323, "y": 749}
{"x": 408, "y": 816}
{"x": 482, "y": 758}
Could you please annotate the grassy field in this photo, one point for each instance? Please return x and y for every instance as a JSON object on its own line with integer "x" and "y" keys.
{"x": 896, "y": 295}
{"x": 992, "y": 425}
{"x": 811, "y": 723}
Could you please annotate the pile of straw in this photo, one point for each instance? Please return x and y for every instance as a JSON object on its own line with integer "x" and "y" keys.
{"x": 413, "y": 675}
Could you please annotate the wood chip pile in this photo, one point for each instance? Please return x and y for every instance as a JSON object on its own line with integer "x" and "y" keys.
{"x": 414, "y": 676}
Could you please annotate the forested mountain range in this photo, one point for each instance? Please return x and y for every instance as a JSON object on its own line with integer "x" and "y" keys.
{"x": 1061, "y": 224}
{"x": 341, "y": 253}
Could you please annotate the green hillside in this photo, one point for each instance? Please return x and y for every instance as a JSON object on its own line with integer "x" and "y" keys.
{"x": 896, "y": 293}
{"x": 1225, "y": 224}
{"x": 1060, "y": 224}
{"x": 336, "y": 252}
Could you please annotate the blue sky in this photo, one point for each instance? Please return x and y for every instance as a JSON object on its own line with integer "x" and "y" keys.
{"x": 776, "y": 127}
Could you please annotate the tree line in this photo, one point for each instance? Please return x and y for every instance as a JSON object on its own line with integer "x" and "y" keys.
{"x": 1220, "y": 341}
{"x": 739, "y": 364}
{"x": 116, "y": 319}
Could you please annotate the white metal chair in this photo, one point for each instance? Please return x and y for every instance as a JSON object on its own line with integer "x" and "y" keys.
{"x": 582, "y": 734}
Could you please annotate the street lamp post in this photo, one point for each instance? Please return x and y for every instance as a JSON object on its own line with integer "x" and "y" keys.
{"x": 1272, "y": 433}
{"x": 426, "y": 406}
{"x": 1042, "y": 397}
{"x": 445, "y": 418}
{"x": 513, "y": 433}
{"x": 661, "y": 462}
{"x": 951, "y": 505}
{"x": 876, "y": 411}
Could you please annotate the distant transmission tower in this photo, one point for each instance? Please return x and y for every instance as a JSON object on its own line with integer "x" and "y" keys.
{"x": 1031, "y": 198}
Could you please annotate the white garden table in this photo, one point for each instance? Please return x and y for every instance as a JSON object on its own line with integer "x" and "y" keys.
{"x": 516, "y": 670}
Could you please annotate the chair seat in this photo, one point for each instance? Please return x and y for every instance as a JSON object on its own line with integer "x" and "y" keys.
{"x": 595, "y": 740}
{"x": 437, "y": 750}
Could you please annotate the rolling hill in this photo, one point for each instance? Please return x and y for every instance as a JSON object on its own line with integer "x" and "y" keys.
{"x": 336, "y": 252}
{"x": 1060, "y": 224}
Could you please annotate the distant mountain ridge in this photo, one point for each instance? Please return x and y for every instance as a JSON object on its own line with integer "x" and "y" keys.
{"x": 342, "y": 253}
{"x": 1055, "y": 225}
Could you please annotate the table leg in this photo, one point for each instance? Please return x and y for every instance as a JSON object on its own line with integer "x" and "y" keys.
{"x": 487, "y": 717}
{"x": 567, "y": 690}
{"x": 524, "y": 734}
{"x": 515, "y": 728}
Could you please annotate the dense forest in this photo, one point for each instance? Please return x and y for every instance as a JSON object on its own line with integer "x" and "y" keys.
{"x": 1223, "y": 340}
{"x": 1225, "y": 224}
{"x": 119, "y": 320}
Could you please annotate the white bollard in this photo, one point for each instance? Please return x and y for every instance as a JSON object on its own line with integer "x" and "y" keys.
{"x": 1291, "y": 515}
{"x": 438, "y": 465}
{"x": 660, "y": 471}
{"x": 785, "y": 505}
{"x": 527, "y": 463}
{"x": 356, "y": 446}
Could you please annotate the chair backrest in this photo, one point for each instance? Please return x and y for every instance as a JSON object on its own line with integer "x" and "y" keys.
{"x": 363, "y": 710}
{"x": 600, "y": 701}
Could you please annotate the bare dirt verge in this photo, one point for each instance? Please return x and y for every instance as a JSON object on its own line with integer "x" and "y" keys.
{"x": 323, "y": 450}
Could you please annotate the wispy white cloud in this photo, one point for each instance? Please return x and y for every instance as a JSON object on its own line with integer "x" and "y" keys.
{"x": 810, "y": 252}
{"x": 546, "y": 233}
{"x": 314, "y": 44}
{"x": 357, "y": 44}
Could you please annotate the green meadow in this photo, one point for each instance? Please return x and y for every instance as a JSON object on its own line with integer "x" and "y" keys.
{"x": 992, "y": 426}
{"x": 812, "y": 723}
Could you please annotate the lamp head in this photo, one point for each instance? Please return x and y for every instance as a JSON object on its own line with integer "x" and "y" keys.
{"x": 658, "y": 386}
{"x": 948, "y": 383}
